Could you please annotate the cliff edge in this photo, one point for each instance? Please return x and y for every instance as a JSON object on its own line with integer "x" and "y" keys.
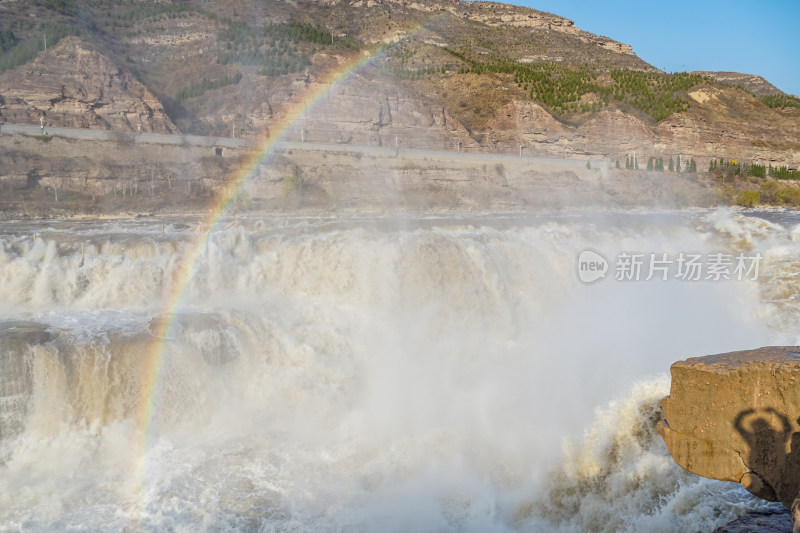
{"x": 734, "y": 417}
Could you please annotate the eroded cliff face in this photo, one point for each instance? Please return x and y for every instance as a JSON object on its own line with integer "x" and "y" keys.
{"x": 74, "y": 85}
{"x": 134, "y": 176}
{"x": 734, "y": 417}
{"x": 368, "y": 110}
{"x": 496, "y": 14}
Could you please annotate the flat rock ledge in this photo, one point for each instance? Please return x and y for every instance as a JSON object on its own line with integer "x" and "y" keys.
{"x": 734, "y": 417}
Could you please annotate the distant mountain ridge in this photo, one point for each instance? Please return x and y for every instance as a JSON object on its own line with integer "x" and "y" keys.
{"x": 483, "y": 76}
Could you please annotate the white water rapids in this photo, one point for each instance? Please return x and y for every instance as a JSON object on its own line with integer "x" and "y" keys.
{"x": 368, "y": 373}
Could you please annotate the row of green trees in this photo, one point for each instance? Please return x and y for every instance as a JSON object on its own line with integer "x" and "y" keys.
{"x": 674, "y": 165}
{"x": 780, "y": 100}
{"x": 631, "y": 163}
{"x": 281, "y": 67}
{"x": 22, "y": 52}
{"x": 199, "y": 88}
{"x": 657, "y": 163}
{"x": 296, "y": 32}
{"x": 783, "y": 173}
{"x": 734, "y": 167}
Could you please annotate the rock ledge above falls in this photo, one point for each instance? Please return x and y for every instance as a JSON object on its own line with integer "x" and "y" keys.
{"x": 734, "y": 417}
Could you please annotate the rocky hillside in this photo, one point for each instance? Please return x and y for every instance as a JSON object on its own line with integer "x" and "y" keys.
{"x": 75, "y": 85}
{"x": 751, "y": 83}
{"x": 481, "y": 76}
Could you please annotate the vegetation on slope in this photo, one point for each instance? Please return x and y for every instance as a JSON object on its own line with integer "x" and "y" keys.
{"x": 199, "y": 88}
{"x": 276, "y": 48}
{"x": 14, "y": 53}
{"x": 780, "y": 100}
{"x": 564, "y": 89}
{"x": 566, "y": 75}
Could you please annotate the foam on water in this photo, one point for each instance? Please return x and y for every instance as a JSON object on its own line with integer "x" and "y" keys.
{"x": 369, "y": 374}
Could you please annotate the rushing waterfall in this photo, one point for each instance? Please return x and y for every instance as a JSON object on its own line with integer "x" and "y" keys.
{"x": 386, "y": 373}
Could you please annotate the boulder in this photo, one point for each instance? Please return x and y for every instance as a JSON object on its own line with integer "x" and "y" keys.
{"x": 734, "y": 417}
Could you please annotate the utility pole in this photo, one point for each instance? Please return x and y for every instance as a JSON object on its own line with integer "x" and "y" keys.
{"x": 45, "y": 42}
{"x": 520, "y": 150}
{"x": 233, "y": 131}
{"x": 458, "y": 145}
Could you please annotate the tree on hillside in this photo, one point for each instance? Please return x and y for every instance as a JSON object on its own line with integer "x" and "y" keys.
{"x": 671, "y": 165}
{"x": 57, "y": 181}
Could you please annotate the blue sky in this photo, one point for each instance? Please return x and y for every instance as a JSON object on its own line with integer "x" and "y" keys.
{"x": 729, "y": 35}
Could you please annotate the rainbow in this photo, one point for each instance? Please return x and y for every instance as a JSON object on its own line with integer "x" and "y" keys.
{"x": 267, "y": 144}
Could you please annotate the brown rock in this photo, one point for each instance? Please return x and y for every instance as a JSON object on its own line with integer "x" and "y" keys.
{"x": 74, "y": 85}
{"x": 734, "y": 417}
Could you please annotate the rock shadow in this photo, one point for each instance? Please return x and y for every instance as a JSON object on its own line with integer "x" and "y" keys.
{"x": 773, "y": 455}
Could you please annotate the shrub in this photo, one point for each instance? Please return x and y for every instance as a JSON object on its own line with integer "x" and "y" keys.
{"x": 769, "y": 191}
{"x": 748, "y": 198}
{"x": 789, "y": 196}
